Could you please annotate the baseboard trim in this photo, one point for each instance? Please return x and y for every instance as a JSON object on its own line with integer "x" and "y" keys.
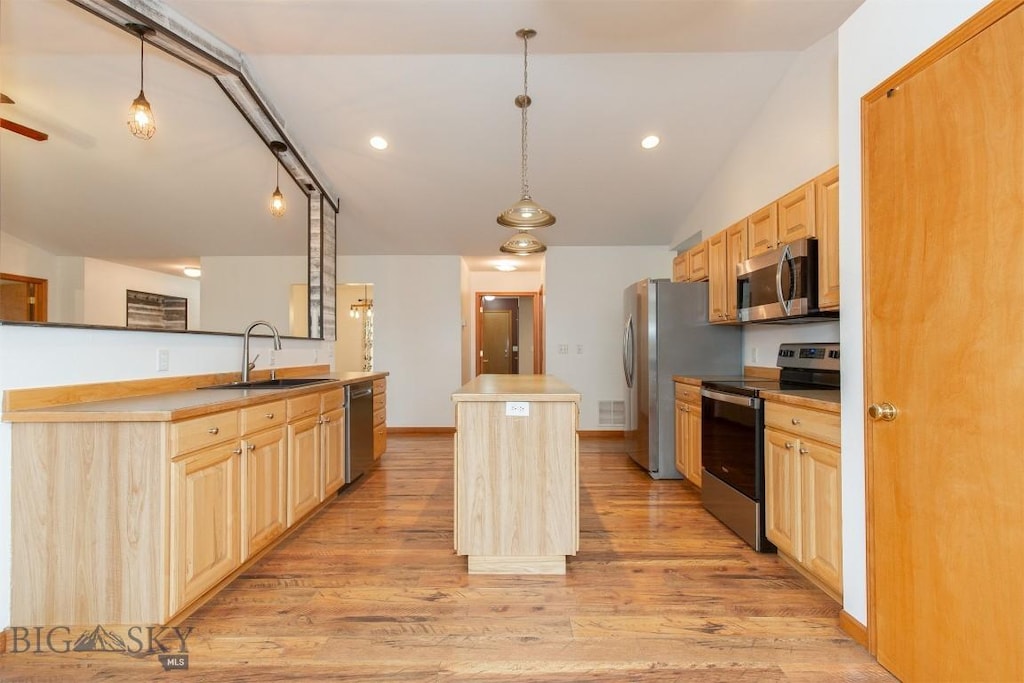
{"x": 3, "y": 641}
{"x": 601, "y": 434}
{"x": 420, "y": 430}
{"x": 853, "y": 628}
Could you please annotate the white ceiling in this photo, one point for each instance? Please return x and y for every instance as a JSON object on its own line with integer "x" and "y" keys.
{"x": 437, "y": 78}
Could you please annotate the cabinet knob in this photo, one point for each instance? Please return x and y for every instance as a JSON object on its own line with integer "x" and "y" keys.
{"x": 325, "y": 420}
{"x": 214, "y": 430}
{"x": 251, "y": 446}
{"x": 795, "y": 420}
{"x": 270, "y": 416}
{"x": 803, "y": 450}
{"x": 237, "y": 451}
{"x": 789, "y": 445}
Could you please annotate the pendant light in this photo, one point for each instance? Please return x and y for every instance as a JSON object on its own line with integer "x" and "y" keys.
{"x": 277, "y": 204}
{"x": 523, "y": 244}
{"x": 525, "y": 214}
{"x": 365, "y": 304}
{"x": 141, "y": 122}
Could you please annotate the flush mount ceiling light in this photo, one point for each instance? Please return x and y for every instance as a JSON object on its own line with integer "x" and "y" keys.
{"x": 141, "y": 122}
{"x": 525, "y": 214}
{"x": 523, "y": 244}
{"x": 378, "y": 143}
{"x": 191, "y": 271}
{"x": 277, "y": 205}
{"x": 650, "y": 142}
{"x": 504, "y": 266}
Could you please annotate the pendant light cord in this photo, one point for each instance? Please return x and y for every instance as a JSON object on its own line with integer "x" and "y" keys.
{"x": 526, "y": 104}
{"x": 142, "y": 62}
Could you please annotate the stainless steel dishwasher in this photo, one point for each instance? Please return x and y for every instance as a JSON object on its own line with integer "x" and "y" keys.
{"x": 358, "y": 430}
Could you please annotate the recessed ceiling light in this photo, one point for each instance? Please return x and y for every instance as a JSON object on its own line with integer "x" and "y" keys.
{"x": 650, "y": 142}
{"x": 377, "y": 142}
{"x": 504, "y": 266}
{"x": 189, "y": 271}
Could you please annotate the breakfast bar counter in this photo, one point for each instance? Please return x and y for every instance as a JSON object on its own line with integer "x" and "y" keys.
{"x": 516, "y": 474}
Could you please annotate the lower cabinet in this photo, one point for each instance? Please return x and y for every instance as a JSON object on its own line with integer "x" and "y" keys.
{"x": 264, "y": 494}
{"x": 332, "y": 440}
{"x": 688, "y": 432}
{"x": 380, "y": 427}
{"x": 204, "y": 505}
{"x": 803, "y": 490}
{"x": 304, "y": 482}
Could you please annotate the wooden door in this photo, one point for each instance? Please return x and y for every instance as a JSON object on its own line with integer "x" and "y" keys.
{"x": 944, "y": 329}
{"x": 496, "y": 343}
{"x": 821, "y": 507}
{"x": 23, "y": 298}
{"x": 681, "y": 439}
{"x": 304, "y": 477}
{"x": 782, "y": 492}
{"x": 694, "y": 466}
{"x": 205, "y": 530}
{"x": 264, "y": 505}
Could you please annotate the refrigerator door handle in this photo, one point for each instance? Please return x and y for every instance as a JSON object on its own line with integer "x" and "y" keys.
{"x": 628, "y": 348}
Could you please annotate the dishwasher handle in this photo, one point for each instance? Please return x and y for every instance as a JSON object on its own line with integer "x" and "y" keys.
{"x": 359, "y": 393}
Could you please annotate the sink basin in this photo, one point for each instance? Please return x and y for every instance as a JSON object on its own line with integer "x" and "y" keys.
{"x": 280, "y": 383}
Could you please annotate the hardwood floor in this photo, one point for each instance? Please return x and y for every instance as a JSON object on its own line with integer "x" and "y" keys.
{"x": 371, "y": 591}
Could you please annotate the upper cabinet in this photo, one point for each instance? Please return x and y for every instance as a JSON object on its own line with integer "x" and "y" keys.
{"x": 796, "y": 214}
{"x": 826, "y": 205}
{"x": 681, "y": 267}
{"x": 763, "y": 229}
{"x": 692, "y": 264}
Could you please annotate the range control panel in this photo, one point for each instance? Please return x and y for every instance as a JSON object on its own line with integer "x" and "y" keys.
{"x": 815, "y": 356}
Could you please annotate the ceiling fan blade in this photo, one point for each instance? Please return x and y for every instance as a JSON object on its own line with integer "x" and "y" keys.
{"x": 24, "y": 130}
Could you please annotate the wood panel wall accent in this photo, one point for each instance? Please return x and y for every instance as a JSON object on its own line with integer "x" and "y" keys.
{"x": 49, "y": 397}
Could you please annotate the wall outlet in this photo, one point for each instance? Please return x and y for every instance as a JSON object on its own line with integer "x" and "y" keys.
{"x": 563, "y": 349}
{"x": 579, "y": 349}
{"x": 163, "y": 360}
{"x": 753, "y": 354}
{"x": 517, "y": 409}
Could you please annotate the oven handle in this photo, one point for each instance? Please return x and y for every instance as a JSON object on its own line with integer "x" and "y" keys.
{"x": 746, "y": 401}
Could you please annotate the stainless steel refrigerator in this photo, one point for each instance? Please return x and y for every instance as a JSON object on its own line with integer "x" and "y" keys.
{"x": 666, "y": 333}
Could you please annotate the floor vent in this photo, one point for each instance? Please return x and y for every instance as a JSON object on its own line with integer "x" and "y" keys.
{"x": 611, "y": 413}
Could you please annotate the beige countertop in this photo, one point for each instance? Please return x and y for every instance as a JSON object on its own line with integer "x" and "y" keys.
{"x": 177, "y": 405}
{"x": 516, "y": 388}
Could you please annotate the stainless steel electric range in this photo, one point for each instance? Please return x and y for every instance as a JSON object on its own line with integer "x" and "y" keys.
{"x": 732, "y": 436}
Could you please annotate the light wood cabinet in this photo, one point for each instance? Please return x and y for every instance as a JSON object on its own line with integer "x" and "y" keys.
{"x": 763, "y": 229}
{"x": 796, "y": 214}
{"x": 803, "y": 490}
{"x": 718, "y": 266}
{"x": 264, "y": 493}
{"x": 332, "y": 440}
{"x": 304, "y": 477}
{"x": 204, "y": 521}
{"x": 736, "y": 252}
{"x": 826, "y": 205}
{"x": 697, "y": 263}
{"x": 681, "y": 267}
{"x": 688, "y": 432}
{"x": 380, "y": 427}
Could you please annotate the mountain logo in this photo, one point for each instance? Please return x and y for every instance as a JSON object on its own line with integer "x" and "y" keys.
{"x": 99, "y": 640}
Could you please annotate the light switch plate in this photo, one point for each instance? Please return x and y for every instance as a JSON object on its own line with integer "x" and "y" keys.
{"x": 517, "y": 409}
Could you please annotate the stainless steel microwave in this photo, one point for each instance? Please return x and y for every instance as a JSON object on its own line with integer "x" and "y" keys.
{"x": 780, "y": 285}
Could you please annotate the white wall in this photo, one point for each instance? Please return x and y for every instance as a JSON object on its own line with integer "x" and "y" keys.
{"x": 239, "y": 289}
{"x": 105, "y": 285}
{"x": 880, "y": 38}
{"x": 584, "y": 303}
{"x": 19, "y": 257}
{"x": 417, "y": 322}
{"x": 47, "y": 356}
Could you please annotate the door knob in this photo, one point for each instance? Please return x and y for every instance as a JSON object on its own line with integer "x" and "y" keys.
{"x": 883, "y": 411}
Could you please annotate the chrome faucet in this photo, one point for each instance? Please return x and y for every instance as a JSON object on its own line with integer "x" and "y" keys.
{"x": 248, "y": 365}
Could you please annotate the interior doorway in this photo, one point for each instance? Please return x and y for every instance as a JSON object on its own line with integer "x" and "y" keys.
{"x": 22, "y": 298}
{"x": 509, "y": 333}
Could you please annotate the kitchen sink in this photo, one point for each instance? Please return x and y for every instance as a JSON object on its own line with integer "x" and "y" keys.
{"x": 279, "y": 383}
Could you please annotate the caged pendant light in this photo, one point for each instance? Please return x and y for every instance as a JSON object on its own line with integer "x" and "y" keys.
{"x": 141, "y": 122}
{"x": 277, "y": 205}
{"x": 525, "y": 214}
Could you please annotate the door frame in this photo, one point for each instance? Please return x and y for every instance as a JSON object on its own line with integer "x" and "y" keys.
{"x": 41, "y": 303}
{"x": 538, "y": 326}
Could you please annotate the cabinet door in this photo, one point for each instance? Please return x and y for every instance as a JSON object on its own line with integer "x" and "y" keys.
{"x": 304, "y": 476}
{"x": 694, "y": 464}
{"x": 763, "y": 229}
{"x": 332, "y": 444}
{"x": 782, "y": 492}
{"x": 680, "y": 268}
{"x": 736, "y": 252}
{"x": 826, "y": 204}
{"x": 264, "y": 497}
{"x": 796, "y": 214}
{"x": 820, "y": 499}
{"x": 681, "y": 437}
{"x": 718, "y": 275}
{"x": 204, "y": 517}
{"x": 698, "y": 262}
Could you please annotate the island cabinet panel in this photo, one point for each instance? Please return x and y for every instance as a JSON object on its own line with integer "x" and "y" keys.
{"x": 517, "y": 483}
{"x": 88, "y": 531}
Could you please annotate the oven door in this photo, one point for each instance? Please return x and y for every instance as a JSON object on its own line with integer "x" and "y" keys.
{"x": 732, "y": 440}
{"x": 779, "y": 284}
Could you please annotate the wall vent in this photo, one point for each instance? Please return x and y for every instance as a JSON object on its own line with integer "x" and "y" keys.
{"x": 611, "y": 413}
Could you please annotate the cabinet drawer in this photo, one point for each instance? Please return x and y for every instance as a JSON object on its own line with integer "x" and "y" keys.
{"x": 687, "y": 393}
{"x": 301, "y": 406}
{"x": 379, "y": 402}
{"x": 255, "y": 418}
{"x": 380, "y": 386}
{"x": 190, "y": 435}
{"x": 379, "y": 417}
{"x": 813, "y": 424}
{"x": 332, "y": 400}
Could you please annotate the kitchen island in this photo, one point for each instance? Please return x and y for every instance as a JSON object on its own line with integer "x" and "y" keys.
{"x": 516, "y": 474}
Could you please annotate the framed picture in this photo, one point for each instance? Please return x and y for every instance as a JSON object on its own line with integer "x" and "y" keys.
{"x": 156, "y": 311}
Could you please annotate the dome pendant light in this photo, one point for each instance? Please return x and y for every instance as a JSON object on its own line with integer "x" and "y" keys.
{"x": 277, "y": 205}
{"x": 525, "y": 214}
{"x": 141, "y": 122}
{"x": 523, "y": 244}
